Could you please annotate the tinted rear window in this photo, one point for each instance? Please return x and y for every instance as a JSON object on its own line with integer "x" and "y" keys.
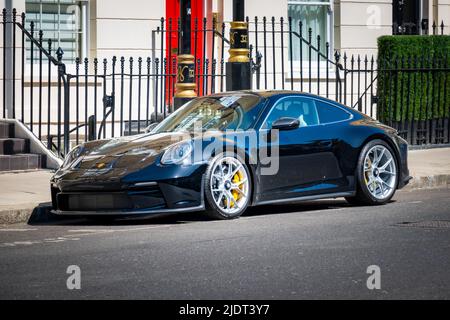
{"x": 329, "y": 113}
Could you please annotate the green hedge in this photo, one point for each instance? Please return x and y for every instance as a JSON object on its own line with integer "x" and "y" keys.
{"x": 421, "y": 93}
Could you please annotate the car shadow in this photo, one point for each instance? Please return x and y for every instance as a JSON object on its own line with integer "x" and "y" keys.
{"x": 304, "y": 206}
{"x": 41, "y": 215}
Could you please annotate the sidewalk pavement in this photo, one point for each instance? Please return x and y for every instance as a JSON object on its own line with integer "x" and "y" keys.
{"x": 21, "y": 192}
{"x": 430, "y": 168}
{"x": 24, "y": 191}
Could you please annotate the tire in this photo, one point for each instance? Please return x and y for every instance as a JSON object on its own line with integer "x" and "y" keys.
{"x": 370, "y": 190}
{"x": 221, "y": 191}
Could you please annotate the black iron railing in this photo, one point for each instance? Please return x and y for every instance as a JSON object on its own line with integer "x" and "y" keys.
{"x": 413, "y": 28}
{"x": 314, "y": 67}
{"x": 65, "y": 104}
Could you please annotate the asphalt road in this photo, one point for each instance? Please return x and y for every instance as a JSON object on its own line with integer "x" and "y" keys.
{"x": 314, "y": 250}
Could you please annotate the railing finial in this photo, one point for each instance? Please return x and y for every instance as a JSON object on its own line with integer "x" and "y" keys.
{"x": 59, "y": 54}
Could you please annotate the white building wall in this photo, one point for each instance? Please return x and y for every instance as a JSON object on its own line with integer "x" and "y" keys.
{"x": 124, "y": 28}
{"x": 360, "y": 23}
{"x": 442, "y": 14}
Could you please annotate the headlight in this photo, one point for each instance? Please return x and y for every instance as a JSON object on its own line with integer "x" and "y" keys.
{"x": 177, "y": 153}
{"x": 72, "y": 156}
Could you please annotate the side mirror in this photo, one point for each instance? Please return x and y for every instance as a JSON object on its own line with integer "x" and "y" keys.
{"x": 286, "y": 123}
{"x": 151, "y": 127}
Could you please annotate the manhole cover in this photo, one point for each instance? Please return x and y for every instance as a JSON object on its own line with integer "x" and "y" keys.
{"x": 432, "y": 224}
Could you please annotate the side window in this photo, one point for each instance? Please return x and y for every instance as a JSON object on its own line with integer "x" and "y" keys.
{"x": 301, "y": 108}
{"x": 329, "y": 113}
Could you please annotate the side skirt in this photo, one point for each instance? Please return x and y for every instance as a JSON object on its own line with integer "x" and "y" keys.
{"x": 306, "y": 198}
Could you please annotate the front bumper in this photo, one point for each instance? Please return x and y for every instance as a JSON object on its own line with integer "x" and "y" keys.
{"x": 122, "y": 198}
{"x": 128, "y": 212}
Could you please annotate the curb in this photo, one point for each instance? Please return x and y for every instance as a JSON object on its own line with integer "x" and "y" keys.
{"x": 429, "y": 182}
{"x": 12, "y": 216}
{"x": 28, "y": 215}
{"x": 41, "y": 212}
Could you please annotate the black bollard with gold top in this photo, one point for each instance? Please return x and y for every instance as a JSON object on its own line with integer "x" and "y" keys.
{"x": 238, "y": 67}
{"x": 185, "y": 88}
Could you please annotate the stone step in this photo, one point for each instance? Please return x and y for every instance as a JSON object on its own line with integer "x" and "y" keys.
{"x": 6, "y": 130}
{"x": 21, "y": 162}
{"x": 9, "y": 146}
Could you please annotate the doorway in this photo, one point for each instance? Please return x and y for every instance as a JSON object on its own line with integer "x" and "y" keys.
{"x": 407, "y": 15}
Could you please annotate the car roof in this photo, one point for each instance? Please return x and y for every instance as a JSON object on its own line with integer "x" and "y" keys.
{"x": 264, "y": 93}
{"x": 267, "y": 94}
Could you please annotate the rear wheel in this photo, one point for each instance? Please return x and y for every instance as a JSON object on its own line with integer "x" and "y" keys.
{"x": 377, "y": 174}
{"x": 227, "y": 187}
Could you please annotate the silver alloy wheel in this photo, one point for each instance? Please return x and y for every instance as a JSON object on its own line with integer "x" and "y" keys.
{"x": 229, "y": 185}
{"x": 380, "y": 172}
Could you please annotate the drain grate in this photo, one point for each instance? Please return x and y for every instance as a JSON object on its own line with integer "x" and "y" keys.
{"x": 431, "y": 224}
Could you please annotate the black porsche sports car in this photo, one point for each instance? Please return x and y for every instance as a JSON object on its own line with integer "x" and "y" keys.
{"x": 225, "y": 152}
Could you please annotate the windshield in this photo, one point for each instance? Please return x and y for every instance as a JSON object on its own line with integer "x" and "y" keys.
{"x": 213, "y": 113}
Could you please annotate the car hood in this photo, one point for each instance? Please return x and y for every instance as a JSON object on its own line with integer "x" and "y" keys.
{"x": 118, "y": 157}
{"x": 134, "y": 144}
{"x": 129, "y": 152}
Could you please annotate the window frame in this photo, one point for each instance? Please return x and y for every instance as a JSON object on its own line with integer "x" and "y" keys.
{"x": 304, "y": 64}
{"x": 82, "y": 34}
{"x": 264, "y": 121}
{"x": 333, "y": 106}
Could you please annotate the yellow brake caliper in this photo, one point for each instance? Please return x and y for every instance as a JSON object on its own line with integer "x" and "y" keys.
{"x": 236, "y": 196}
{"x": 366, "y": 174}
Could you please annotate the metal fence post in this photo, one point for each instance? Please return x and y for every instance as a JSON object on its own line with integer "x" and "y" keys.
{"x": 92, "y": 134}
{"x": 65, "y": 80}
{"x": 8, "y": 73}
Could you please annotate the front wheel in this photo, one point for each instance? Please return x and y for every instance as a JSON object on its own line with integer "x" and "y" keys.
{"x": 227, "y": 187}
{"x": 377, "y": 174}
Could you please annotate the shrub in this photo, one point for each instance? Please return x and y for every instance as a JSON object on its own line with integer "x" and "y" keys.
{"x": 413, "y": 77}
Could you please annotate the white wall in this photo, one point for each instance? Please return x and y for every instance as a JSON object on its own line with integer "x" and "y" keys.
{"x": 360, "y": 23}
{"x": 442, "y": 13}
{"x": 123, "y": 28}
